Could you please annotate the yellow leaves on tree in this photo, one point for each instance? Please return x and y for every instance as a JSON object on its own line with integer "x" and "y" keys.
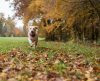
{"x": 33, "y": 10}
{"x": 73, "y": 13}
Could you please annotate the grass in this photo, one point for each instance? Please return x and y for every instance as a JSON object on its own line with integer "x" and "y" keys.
{"x": 47, "y": 54}
{"x": 9, "y": 43}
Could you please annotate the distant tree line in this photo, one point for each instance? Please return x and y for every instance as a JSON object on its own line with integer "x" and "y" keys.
{"x": 63, "y": 20}
{"x": 7, "y": 27}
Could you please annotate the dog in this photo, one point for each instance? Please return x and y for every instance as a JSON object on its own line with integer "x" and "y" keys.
{"x": 33, "y": 36}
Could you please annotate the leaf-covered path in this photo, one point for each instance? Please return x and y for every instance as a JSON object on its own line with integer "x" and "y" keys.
{"x": 47, "y": 65}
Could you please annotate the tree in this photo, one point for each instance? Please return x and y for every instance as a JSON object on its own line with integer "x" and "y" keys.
{"x": 77, "y": 19}
{"x": 2, "y": 20}
{"x": 9, "y": 25}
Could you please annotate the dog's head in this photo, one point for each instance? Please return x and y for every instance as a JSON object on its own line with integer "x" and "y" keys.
{"x": 33, "y": 30}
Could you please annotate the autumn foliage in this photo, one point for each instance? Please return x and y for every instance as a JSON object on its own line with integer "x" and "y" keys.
{"x": 18, "y": 66}
{"x": 63, "y": 19}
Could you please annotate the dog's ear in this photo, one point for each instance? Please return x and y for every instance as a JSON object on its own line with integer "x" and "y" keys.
{"x": 36, "y": 29}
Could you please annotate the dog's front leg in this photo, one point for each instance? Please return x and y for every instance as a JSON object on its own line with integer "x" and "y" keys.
{"x": 30, "y": 42}
{"x": 34, "y": 45}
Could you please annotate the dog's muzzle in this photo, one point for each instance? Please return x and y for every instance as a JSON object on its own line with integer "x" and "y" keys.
{"x": 32, "y": 34}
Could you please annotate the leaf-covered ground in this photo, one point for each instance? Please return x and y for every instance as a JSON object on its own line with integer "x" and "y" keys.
{"x": 51, "y": 61}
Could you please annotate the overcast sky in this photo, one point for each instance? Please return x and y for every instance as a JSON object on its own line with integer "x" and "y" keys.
{"x": 8, "y": 11}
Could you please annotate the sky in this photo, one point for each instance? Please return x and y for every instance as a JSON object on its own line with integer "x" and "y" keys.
{"x": 8, "y": 11}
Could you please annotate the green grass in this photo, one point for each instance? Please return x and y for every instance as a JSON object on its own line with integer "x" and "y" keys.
{"x": 90, "y": 52}
{"x": 9, "y": 43}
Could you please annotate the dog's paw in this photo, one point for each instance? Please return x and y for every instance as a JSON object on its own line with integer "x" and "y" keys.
{"x": 31, "y": 46}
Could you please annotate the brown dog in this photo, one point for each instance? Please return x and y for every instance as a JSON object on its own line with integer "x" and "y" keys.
{"x": 33, "y": 36}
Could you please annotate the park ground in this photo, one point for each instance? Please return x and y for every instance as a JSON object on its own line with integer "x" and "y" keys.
{"x": 50, "y": 61}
